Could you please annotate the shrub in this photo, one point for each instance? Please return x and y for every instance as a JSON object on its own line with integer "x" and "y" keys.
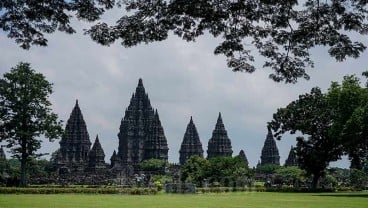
{"x": 79, "y": 190}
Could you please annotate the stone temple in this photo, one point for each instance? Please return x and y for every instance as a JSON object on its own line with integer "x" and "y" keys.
{"x": 191, "y": 144}
{"x": 292, "y": 159}
{"x": 75, "y": 153}
{"x": 141, "y": 135}
{"x": 219, "y": 145}
{"x": 270, "y": 152}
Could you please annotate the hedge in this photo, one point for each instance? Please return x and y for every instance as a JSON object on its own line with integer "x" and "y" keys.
{"x": 263, "y": 189}
{"x": 79, "y": 190}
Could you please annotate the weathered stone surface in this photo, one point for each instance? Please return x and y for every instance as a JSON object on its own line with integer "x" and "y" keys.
{"x": 113, "y": 159}
{"x": 156, "y": 143}
{"x": 191, "y": 144}
{"x": 141, "y": 135}
{"x": 243, "y": 157}
{"x": 292, "y": 159}
{"x": 219, "y": 145}
{"x": 270, "y": 152}
{"x": 75, "y": 144}
{"x": 96, "y": 157}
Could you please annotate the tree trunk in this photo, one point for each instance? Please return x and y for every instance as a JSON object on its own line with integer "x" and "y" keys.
{"x": 315, "y": 181}
{"x": 23, "y": 164}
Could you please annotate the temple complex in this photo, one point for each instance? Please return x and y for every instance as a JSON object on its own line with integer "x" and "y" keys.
{"x": 292, "y": 159}
{"x": 141, "y": 135}
{"x": 75, "y": 143}
{"x": 270, "y": 152}
{"x": 219, "y": 145}
{"x": 191, "y": 144}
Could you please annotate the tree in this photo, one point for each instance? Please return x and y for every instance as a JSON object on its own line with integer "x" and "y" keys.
{"x": 194, "y": 170}
{"x": 313, "y": 117}
{"x": 28, "y": 21}
{"x": 290, "y": 175}
{"x": 283, "y": 32}
{"x": 153, "y": 164}
{"x": 26, "y": 114}
{"x": 334, "y": 123}
{"x": 349, "y": 101}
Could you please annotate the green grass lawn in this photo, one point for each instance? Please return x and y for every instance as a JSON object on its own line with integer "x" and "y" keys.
{"x": 240, "y": 199}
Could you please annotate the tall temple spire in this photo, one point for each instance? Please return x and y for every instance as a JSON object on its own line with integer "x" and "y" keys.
{"x": 270, "y": 152}
{"x": 191, "y": 144}
{"x": 243, "y": 157}
{"x": 156, "y": 143}
{"x": 292, "y": 159}
{"x": 96, "y": 157}
{"x": 140, "y": 123}
{"x": 219, "y": 144}
{"x": 140, "y": 82}
{"x": 113, "y": 159}
{"x": 75, "y": 143}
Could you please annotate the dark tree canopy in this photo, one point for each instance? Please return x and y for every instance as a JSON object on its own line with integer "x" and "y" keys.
{"x": 332, "y": 124}
{"x": 25, "y": 113}
{"x": 28, "y": 21}
{"x": 280, "y": 31}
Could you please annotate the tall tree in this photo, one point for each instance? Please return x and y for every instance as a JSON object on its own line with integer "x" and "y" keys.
{"x": 283, "y": 31}
{"x": 349, "y": 101}
{"x": 312, "y": 116}
{"x": 26, "y": 114}
{"x": 332, "y": 124}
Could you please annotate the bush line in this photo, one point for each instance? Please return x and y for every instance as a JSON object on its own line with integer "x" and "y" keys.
{"x": 127, "y": 191}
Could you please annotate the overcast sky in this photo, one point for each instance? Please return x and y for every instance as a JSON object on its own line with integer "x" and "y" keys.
{"x": 182, "y": 80}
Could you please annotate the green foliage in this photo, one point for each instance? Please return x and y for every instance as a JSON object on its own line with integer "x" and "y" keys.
{"x": 290, "y": 175}
{"x": 218, "y": 171}
{"x": 27, "y": 21}
{"x": 358, "y": 179}
{"x": 267, "y": 168}
{"x": 332, "y": 124}
{"x": 282, "y": 32}
{"x": 153, "y": 164}
{"x": 25, "y": 113}
{"x": 79, "y": 190}
{"x": 160, "y": 180}
{"x": 194, "y": 170}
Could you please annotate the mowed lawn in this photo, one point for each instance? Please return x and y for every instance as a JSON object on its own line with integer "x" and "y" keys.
{"x": 228, "y": 200}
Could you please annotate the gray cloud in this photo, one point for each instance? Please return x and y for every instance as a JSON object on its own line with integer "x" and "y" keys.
{"x": 182, "y": 79}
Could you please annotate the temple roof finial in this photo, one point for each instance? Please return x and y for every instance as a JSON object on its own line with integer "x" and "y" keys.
{"x": 140, "y": 82}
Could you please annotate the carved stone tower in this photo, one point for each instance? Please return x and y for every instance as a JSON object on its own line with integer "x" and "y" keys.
{"x": 75, "y": 143}
{"x": 191, "y": 144}
{"x": 141, "y": 135}
{"x": 113, "y": 159}
{"x": 292, "y": 159}
{"x": 156, "y": 143}
{"x": 270, "y": 152}
{"x": 96, "y": 157}
{"x": 219, "y": 144}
